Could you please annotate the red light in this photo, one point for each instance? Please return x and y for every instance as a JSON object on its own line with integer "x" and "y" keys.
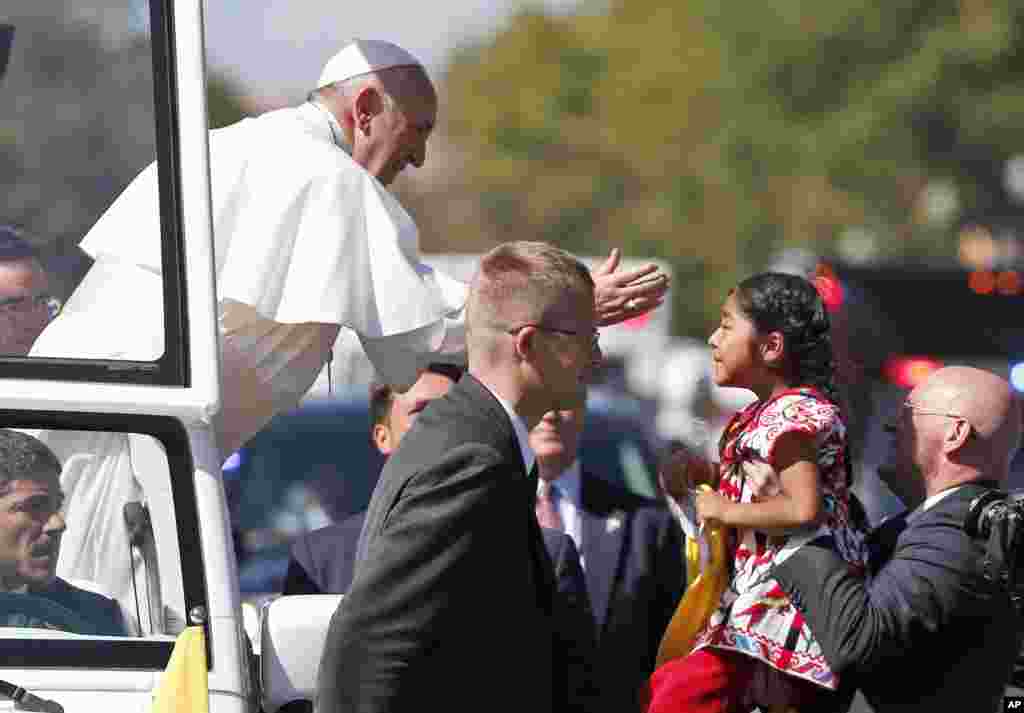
{"x": 982, "y": 281}
{"x": 831, "y": 291}
{"x": 908, "y": 372}
{"x": 637, "y": 322}
{"x": 1008, "y": 283}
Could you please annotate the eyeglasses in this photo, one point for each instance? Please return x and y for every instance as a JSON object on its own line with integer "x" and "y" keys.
{"x": 25, "y": 303}
{"x": 595, "y": 343}
{"x": 911, "y": 406}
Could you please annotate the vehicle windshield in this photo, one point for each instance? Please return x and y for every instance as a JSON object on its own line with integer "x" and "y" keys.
{"x": 85, "y": 109}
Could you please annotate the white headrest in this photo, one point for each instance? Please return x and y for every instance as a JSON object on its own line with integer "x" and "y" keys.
{"x": 292, "y": 634}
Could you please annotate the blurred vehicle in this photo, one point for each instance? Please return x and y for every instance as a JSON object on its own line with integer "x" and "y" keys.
{"x": 895, "y": 324}
{"x": 316, "y": 465}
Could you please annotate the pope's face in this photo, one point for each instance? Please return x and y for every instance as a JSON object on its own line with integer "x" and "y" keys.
{"x": 398, "y": 137}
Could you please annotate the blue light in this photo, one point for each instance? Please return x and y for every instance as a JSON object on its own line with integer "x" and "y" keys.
{"x": 233, "y": 463}
{"x": 1017, "y": 376}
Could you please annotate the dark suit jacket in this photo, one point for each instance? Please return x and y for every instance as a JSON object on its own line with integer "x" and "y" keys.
{"x": 574, "y": 624}
{"x": 322, "y": 561}
{"x": 928, "y": 633}
{"x": 633, "y": 557}
{"x": 452, "y": 606}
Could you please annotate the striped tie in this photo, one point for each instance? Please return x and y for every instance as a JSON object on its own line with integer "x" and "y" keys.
{"x": 547, "y": 511}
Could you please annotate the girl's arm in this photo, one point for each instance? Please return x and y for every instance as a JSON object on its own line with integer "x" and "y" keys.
{"x": 797, "y": 505}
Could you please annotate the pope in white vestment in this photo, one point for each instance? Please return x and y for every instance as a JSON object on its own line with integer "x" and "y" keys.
{"x": 306, "y": 241}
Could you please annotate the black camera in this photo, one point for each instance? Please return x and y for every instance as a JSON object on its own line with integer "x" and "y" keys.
{"x": 998, "y": 517}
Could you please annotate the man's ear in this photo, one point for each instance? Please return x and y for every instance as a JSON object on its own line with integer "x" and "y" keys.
{"x": 366, "y": 105}
{"x": 957, "y": 435}
{"x": 382, "y": 438}
{"x": 773, "y": 348}
{"x": 526, "y": 344}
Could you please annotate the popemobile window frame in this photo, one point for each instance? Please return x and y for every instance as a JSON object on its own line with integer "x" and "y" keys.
{"x": 173, "y": 399}
{"x": 182, "y": 382}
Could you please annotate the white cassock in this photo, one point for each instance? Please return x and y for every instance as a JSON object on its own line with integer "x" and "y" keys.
{"x": 305, "y": 240}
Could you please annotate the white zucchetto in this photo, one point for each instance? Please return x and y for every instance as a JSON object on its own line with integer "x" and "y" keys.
{"x": 364, "y": 56}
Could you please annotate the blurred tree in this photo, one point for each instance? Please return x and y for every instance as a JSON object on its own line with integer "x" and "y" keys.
{"x": 77, "y": 121}
{"x": 713, "y": 133}
{"x": 223, "y": 101}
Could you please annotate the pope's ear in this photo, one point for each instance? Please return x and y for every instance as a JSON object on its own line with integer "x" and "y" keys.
{"x": 367, "y": 104}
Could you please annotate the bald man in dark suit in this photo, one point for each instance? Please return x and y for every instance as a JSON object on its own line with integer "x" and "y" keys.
{"x": 928, "y": 605}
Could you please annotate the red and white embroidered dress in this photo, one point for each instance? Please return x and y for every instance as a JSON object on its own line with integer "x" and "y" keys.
{"x": 755, "y": 616}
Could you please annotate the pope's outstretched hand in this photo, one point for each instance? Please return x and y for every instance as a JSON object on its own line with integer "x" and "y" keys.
{"x": 620, "y": 296}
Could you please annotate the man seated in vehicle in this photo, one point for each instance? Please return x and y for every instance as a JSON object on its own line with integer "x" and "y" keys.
{"x": 31, "y": 526}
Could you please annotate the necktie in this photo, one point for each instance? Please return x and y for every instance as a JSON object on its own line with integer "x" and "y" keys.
{"x": 547, "y": 511}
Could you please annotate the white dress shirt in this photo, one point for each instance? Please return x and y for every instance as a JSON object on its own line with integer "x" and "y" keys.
{"x": 522, "y": 432}
{"x": 932, "y": 502}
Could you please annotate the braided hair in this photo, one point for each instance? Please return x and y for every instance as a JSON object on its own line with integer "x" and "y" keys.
{"x": 779, "y": 302}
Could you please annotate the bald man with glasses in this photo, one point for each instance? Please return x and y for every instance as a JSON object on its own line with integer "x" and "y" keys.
{"x": 926, "y": 603}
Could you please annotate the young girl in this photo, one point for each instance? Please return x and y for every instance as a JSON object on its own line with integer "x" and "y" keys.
{"x": 784, "y": 467}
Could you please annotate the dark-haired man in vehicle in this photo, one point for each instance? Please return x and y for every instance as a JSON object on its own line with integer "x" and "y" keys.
{"x": 31, "y": 526}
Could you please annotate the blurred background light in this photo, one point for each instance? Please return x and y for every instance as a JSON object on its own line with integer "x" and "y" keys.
{"x": 907, "y": 372}
{"x": 982, "y": 281}
{"x": 1008, "y": 283}
{"x": 938, "y": 204}
{"x": 1013, "y": 177}
{"x": 977, "y": 247}
{"x": 858, "y": 245}
{"x": 1017, "y": 376}
{"x": 831, "y": 291}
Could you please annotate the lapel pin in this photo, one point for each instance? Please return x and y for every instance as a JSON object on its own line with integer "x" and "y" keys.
{"x": 613, "y": 523}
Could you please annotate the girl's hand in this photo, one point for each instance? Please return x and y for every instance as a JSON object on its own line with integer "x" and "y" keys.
{"x": 681, "y": 472}
{"x": 712, "y": 508}
{"x": 764, "y": 482}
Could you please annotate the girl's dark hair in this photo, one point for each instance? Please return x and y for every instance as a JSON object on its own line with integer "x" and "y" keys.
{"x": 777, "y": 302}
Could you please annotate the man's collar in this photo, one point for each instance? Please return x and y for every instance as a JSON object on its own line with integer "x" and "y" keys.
{"x": 337, "y": 133}
{"x": 519, "y": 426}
{"x": 938, "y": 497}
{"x": 932, "y": 501}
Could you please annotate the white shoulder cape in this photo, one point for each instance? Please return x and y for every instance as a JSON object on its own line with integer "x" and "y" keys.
{"x": 302, "y": 233}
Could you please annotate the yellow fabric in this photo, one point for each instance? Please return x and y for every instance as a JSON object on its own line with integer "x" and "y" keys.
{"x": 703, "y": 591}
{"x": 692, "y": 561}
{"x": 183, "y": 688}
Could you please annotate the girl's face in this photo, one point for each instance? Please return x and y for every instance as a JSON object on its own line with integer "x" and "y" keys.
{"x": 735, "y": 354}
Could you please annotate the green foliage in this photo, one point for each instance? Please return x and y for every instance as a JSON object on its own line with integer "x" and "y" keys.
{"x": 712, "y": 133}
{"x": 222, "y": 101}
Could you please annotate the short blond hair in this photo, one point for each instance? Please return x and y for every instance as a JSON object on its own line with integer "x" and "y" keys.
{"x": 518, "y": 282}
